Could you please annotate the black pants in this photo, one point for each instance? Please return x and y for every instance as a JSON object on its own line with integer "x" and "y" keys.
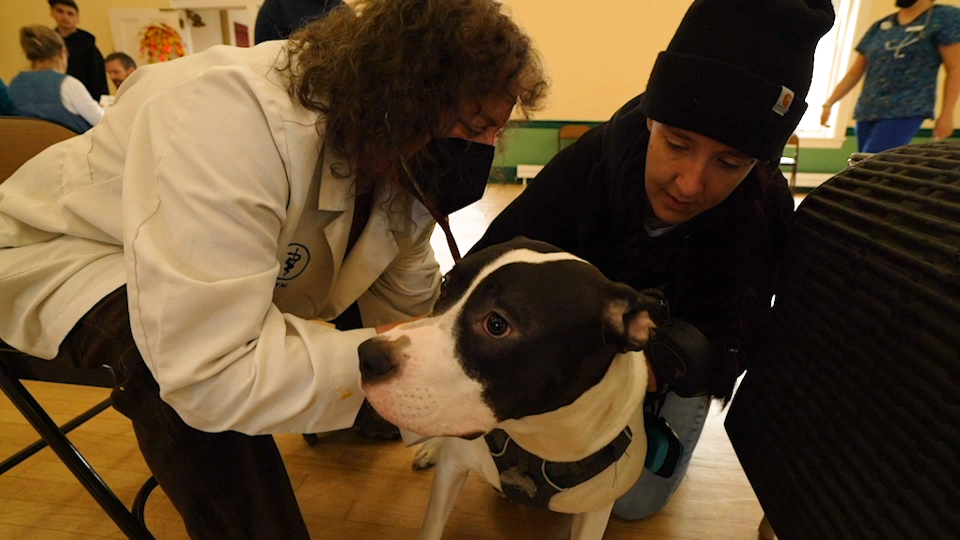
{"x": 225, "y": 485}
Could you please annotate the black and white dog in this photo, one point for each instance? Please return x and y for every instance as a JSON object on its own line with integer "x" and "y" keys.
{"x": 531, "y": 372}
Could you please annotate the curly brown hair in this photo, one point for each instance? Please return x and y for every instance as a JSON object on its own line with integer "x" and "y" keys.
{"x": 388, "y": 75}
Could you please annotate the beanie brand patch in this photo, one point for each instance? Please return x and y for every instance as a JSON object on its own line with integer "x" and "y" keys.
{"x": 784, "y": 102}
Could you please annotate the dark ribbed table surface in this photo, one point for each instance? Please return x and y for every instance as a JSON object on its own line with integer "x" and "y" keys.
{"x": 848, "y": 427}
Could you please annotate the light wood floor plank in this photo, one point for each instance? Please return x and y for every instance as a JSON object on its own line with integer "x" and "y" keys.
{"x": 16, "y": 532}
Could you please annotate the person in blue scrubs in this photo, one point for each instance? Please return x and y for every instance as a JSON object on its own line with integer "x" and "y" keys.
{"x": 900, "y": 56}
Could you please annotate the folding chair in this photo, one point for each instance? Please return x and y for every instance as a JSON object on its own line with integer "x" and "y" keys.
{"x": 21, "y": 139}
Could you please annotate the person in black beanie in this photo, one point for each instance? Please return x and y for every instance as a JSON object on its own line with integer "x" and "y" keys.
{"x": 680, "y": 190}
{"x": 84, "y": 62}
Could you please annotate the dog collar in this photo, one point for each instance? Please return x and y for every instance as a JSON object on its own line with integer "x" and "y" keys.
{"x": 528, "y": 479}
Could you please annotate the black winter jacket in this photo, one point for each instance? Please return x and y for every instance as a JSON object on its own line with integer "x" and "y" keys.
{"x": 717, "y": 270}
{"x": 86, "y": 63}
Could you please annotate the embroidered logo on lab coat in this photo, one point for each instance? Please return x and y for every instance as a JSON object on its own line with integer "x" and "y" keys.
{"x": 298, "y": 257}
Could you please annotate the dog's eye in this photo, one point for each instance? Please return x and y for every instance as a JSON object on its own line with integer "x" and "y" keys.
{"x": 496, "y": 325}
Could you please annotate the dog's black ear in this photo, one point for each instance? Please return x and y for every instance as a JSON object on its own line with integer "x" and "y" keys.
{"x": 631, "y": 316}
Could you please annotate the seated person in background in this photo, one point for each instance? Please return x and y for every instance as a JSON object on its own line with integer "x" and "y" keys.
{"x": 46, "y": 91}
{"x": 680, "y": 191}
{"x": 119, "y": 66}
{"x": 7, "y": 108}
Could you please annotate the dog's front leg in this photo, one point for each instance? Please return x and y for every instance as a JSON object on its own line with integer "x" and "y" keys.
{"x": 590, "y": 525}
{"x": 449, "y": 477}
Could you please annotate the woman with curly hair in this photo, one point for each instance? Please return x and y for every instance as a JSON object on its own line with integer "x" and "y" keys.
{"x": 231, "y": 202}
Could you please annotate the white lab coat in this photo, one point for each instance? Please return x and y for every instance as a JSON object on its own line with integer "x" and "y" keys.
{"x": 208, "y": 191}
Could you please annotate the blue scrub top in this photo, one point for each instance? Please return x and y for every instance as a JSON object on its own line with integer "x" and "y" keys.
{"x": 902, "y": 64}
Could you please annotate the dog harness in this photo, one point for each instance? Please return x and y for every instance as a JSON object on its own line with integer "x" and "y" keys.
{"x": 528, "y": 479}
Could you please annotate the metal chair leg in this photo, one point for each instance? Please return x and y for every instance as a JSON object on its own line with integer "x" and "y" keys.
{"x": 22, "y": 455}
{"x": 140, "y": 501}
{"x": 72, "y": 458}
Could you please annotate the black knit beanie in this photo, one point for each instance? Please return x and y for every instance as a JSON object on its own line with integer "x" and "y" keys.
{"x": 738, "y": 71}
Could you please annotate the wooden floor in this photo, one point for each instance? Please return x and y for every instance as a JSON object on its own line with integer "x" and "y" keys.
{"x": 348, "y": 488}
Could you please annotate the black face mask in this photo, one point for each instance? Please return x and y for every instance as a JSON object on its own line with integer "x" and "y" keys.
{"x": 451, "y": 173}
{"x": 905, "y": 3}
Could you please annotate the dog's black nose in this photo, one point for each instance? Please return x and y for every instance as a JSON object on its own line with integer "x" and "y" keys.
{"x": 376, "y": 362}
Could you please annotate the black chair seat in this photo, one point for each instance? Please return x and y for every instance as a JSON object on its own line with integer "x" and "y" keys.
{"x": 22, "y": 366}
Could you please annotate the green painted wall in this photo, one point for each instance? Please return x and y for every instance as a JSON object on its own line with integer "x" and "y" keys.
{"x": 535, "y": 143}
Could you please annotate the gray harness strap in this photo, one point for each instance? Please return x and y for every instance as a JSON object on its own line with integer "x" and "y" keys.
{"x": 528, "y": 479}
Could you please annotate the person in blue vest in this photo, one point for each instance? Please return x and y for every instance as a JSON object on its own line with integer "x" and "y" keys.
{"x": 46, "y": 91}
